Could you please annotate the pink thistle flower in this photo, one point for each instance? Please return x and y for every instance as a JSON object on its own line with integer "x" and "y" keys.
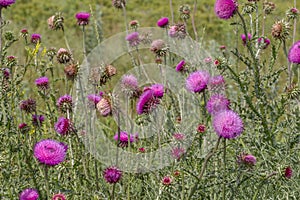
{"x": 82, "y": 18}
{"x": 288, "y": 172}
{"x": 37, "y": 120}
{"x": 28, "y": 106}
{"x": 35, "y": 38}
{"x": 179, "y": 136}
{"x": 294, "y": 53}
{"x": 133, "y": 39}
{"x": 163, "y": 22}
{"x": 225, "y": 9}
{"x": 63, "y": 126}
{"x": 180, "y": 66}
{"x": 178, "y": 152}
{"x": 129, "y": 85}
{"x": 50, "y": 152}
{"x": 166, "y": 180}
{"x": 228, "y": 124}
{"x": 216, "y": 83}
{"x": 217, "y": 103}
{"x": 29, "y": 194}
{"x": 197, "y": 81}
{"x": 112, "y": 175}
{"x": 244, "y": 39}
{"x": 42, "y": 83}
{"x": 146, "y": 102}
{"x": 176, "y": 173}
{"x": 94, "y": 100}
{"x": 104, "y": 107}
{"x": 6, "y": 3}
{"x": 59, "y": 197}
{"x": 201, "y": 128}
{"x": 263, "y": 42}
{"x": 142, "y": 150}
{"x": 208, "y": 60}
{"x": 6, "y": 73}
{"x": 134, "y": 24}
{"x": 65, "y": 103}
{"x": 247, "y": 159}
{"x": 158, "y": 90}
{"x": 123, "y": 140}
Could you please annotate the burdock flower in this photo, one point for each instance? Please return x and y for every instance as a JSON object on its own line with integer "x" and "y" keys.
{"x": 29, "y": 194}
{"x": 294, "y": 53}
{"x": 59, "y": 197}
{"x": 63, "y": 56}
{"x": 37, "y": 120}
{"x": 50, "y": 152}
{"x": 65, "y": 103}
{"x": 129, "y": 85}
{"x": 263, "y": 42}
{"x": 288, "y": 172}
{"x": 185, "y": 11}
{"x": 28, "y": 106}
{"x": 217, "y": 103}
{"x": 82, "y": 18}
{"x": 281, "y": 30}
{"x": 244, "y": 38}
{"x": 225, "y": 9}
{"x": 180, "y": 66}
{"x": 104, "y": 107}
{"x": 42, "y": 83}
{"x": 159, "y": 47}
{"x": 125, "y": 138}
{"x": 177, "y": 31}
{"x": 71, "y": 71}
{"x": 63, "y": 126}
{"x": 35, "y": 38}
{"x": 166, "y": 180}
{"x": 197, "y": 81}
{"x": 112, "y": 175}
{"x": 163, "y": 22}
{"x": 119, "y": 3}
{"x": 228, "y": 124}
{"x": 133, "y": 39}
{"x": 6, "y": 3}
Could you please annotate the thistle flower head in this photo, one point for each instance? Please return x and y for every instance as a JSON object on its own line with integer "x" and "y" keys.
{"x": 268, "y": 7}
{"x": 159, "y": 47}
{"x": 63, "y": 56}
{"x": 177, "y": 31}
{"x": 288, "y": 172}
{"x": 56, "y": 22}
{"x": 146, "y": 102}
{"x": 184, "y": 11}
{"x": 59, "y": 197}
{"x": 281, "y": 30}
{"x": 163, "y": 22}
{"x": 197, "y": 81}
{"x": 71, "y": 71}
{"x": 28, "y": 106}
{"x": 180, "y": 66}
{"x": 129, "y": 85}
{"x": 178, "y": 152}
{"x": 225, "y": 9}
{"x": 247, "y": 159}
{"x": 263, "y": 42}
{"x": 104, "y": 107}
{"x": 6, "y": 3}
{"x": 82, "y": 18}
{"x": 179, "y": 136}
{"x": 63, "y": 126}
{"x": 37, "y": 120}
{"x": 65, "y": 103}
{"x": 112, "y": 175}
{"x": 216, "y": 83}
{"x": 292, "y": 13}
{"x": 119, "y": 4}
{"x": 93, "y": 100}
{"x": 42, "y": 83}
{"x": 29, "y": 194}
{"x": 244, "y": 38}
{"x": 134, "y": 24}
{"x": 125, "y": 138}
{"x": 294, "y": 53}
{"x": 35, "y": 38}
{"x": 133, "y": 39}
{"x": 201, "y": 128}
{"x": 166, "y": 180}
{"x": 217, "y": 103}
{"x": 23, "y": 128}
{"x": 158, "y": 90}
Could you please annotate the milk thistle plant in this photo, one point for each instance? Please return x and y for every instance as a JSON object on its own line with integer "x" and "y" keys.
{"x": 151, "y": 113}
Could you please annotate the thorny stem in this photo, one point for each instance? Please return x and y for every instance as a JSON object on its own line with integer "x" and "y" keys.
{"x": 224, "y": 166}
{"x": 1, "y": 21}
{"x": 193, "y": 21}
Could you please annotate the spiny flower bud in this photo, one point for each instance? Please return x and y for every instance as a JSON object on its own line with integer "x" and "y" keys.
{"x": 11, "y": 61}
{"x": 268, "y": 7}
{"x": 51, "y": 52}
{"x": 35, "y": 38}
{"x": 71, "y": 71}
{"x": 63, "y": 56}
{"x": 159, "y": 47}
{"x": 28, "y": 106}
{"x": 185, "y": 11}
{"x": 281, "y": 30}
{"x": 134, "y": 24}
{"x": 292, "y": 13}
{"x": 104, "y": 106}
{"x": 249, "y": 8}
{"x": 24, "y": 33}
{"x": 56, "y": 22}
{"x": 177, "y": 31}
{"x": 119, "y": 3}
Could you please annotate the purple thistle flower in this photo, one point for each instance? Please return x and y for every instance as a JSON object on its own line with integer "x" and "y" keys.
{"x": 93, "y": 100}
{"x": 249, "y": 159}
{"x": 228, "y": 124}
{"x": 244, "y": 39}
{"x": 6, "y": 73}
{"x": 216, "y": 83}
{"x": 288, "y": 172}
{"x": 166, "y": 180}
{"x": 124, "y": 138}
{"x": 133, "y": 39}
{"x": 225, "y": 9}
{"x": 179, "y": 136}
{"x": 294, "y": 53}
{"x": 24, "y": 128}
{"x": 37, "y": 120}
{"x": 197, "y": 81}
{"x": 112, "y": 175}
{"x": 158, "y": 90}
{"x": 6, "y": 3}
{"x": 82, "y": 18}
{"x": 42, "y": 83}
{"x": 63, "y": 126}
{"x": 29, "y": 194}
{"x": 163, "y": 22}
{"x": 217, "y": 103}
{"x": 50, "y": 152}
{"x": 146, "y": 102}
{"x": 263, "y": 42}
{"x": 28, "y": 106}
{"x": 178, "y": 152}
{"x": 129, "y": 85}
{"x": 59, "y": 197}
{"x": 35, "y": 38}
{"x": 201, "y": 128}
{"x": 65, "y": 103}
{"x": 180, "y": 66}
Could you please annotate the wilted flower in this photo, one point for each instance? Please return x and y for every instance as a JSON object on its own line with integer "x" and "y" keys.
{"x": 184, "y": 12}
{"x": 82, "y": 18}
{"x": 133, "y": 39}
{"x": 244, "y": 39}
{"x": 93, "y": 100}
{"x": 6, "y": 3}
{"x": 159, "y": 47}
{"x": 63, "y": 56}
{"x": 50, "y": 152}
{"x": 29, "y": 105}
{"x": 125, "y": 138}
{"x": 35, "y": 38}
{"x": 281, "y": 30}
{"x": 166, "y": 180}
{"x": 59, "y": 197}
{"x": 119, "y": 3}
{"x": 228, "y": 124}
{"x": 112, "y": 175}
{"x": 29, "y": 194}
{"x": 51, "y": 52}
{"x": 294, "y": 53}
{"x": 37, "y": 120}
{"x": 177, "y": 31}
{"x": 197, "y": 81}
{"x": 263, "y": 42}
{"x": 217, "y": 103}
{"x": 104, "y": 107}
{"x": 225, "y": 9}
{"x": 288, "y": 172}
{"x": 129, "y": 85}
{"x": 71, "y": 71}
{"x": 65, "y": 103}
{"x": 268, "y": 7}
{"x": 249, "y": 7}
{"x": 42, "y": 83}
{"x": 163, "y": 22}
{"x": 63, "y": 126}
